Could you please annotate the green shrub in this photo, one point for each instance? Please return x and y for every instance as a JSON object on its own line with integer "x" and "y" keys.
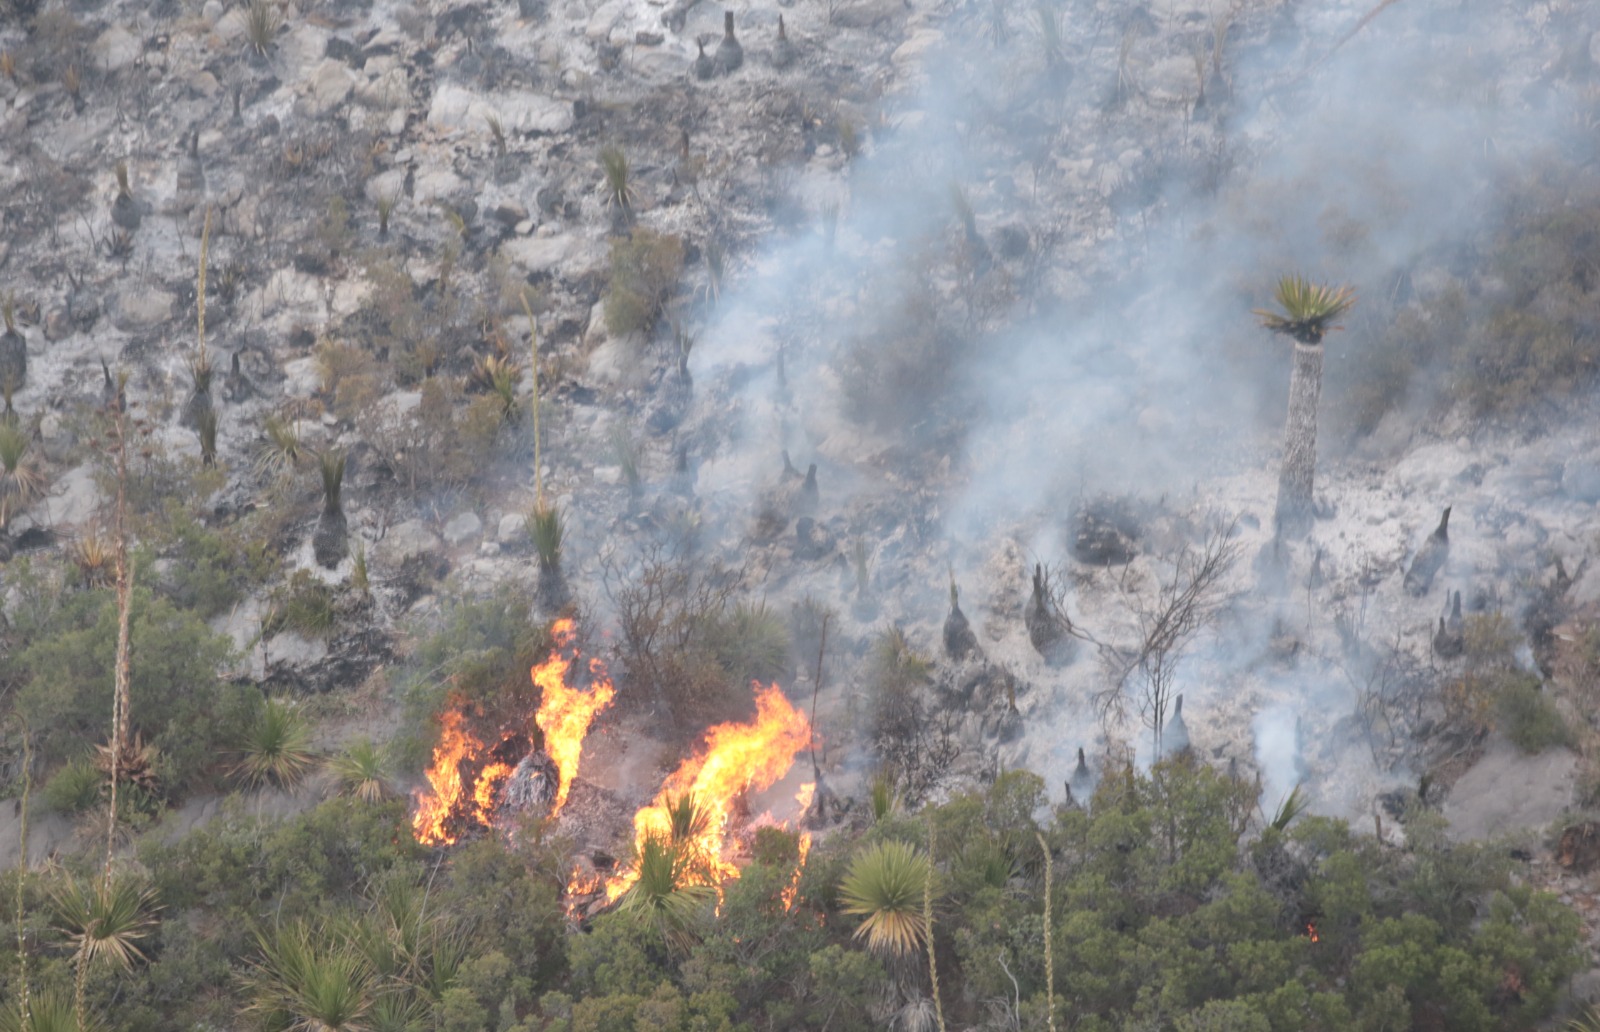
{"x": 177, "y": 701}
{"x": 644, "y": 271}
{"x": 74, "y": 788}
{"x": 305, "y": 606}
{"x": 751, "y": 643}
{"x": 1528, "y": 717}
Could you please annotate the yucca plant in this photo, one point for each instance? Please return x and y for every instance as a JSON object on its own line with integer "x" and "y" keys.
{"x": 1587, "y": 1021}
{"x": 688, "y": 820}
{"x": 546, "y": 527}
{"x": 751, "y": 642}
{"x": 1293, "y": 805}
{"x": 885, "y": 885}
{"x": 664, "y": 896}
{"x": 22, "y": 479}
{"x": 103, "y": 922}
{"x": 46, "y": 1012}
{"x": 276, "y": 747}
{"x": 330, "y": 541}
{"x": 385, "y": 209}
{"x": 206, "y": 428}
{"x": 626, "y": 451}
{"x": 261, "y": 22}
{"x": 1307, "y": 313}
{"x": 13, "y": 350}
{"x": 882, "y": 796}
{"x": 312, "y": 978}
{"x": 283, "y": 450}
{"x": 614, "y": 163}
{"x": 360, "y": 772}
{"x": 499, "y": 375}
{"x": 125, "y": 212}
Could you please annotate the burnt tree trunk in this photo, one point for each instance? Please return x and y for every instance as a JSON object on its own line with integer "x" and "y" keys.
{"x": 1300, "y": 442}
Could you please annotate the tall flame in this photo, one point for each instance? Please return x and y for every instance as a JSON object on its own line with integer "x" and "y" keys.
{"x": 735, "y": 759}
{"x": 461, "y": 793}
{"x": 566, "y": 713}
{"x": 456, "y": 744}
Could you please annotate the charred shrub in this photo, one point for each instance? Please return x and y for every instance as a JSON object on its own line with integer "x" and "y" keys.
{"x": 644, "y": 270}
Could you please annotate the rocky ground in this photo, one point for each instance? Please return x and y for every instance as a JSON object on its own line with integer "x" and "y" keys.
{"x": 386, "y": 183}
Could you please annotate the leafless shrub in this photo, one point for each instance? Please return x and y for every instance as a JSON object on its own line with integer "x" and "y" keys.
{"x": 1182, "y": 604}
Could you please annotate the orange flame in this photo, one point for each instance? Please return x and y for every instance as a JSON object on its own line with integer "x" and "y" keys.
{"x": 564, "y": 716}
{"x": 566, "y": 713}
{"x": 793, "y": 888}
{"x": 736, "y": 759}
{"x": 1311, "y": 931}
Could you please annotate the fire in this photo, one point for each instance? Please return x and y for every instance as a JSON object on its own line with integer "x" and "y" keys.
{"x": 736, "y": 759}
{"x": 1311, "y": 932}
{"x": 466, "y": 776}
{"x": 793, "y": 888}
{"x": 566, "y": 713}
{"x": 444, "y": 775}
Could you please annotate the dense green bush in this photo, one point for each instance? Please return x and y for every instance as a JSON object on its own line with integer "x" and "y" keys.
{"x": 177, "y": 701}
{"x": 74, "y": 788}
{"x": 1528, "y": 717}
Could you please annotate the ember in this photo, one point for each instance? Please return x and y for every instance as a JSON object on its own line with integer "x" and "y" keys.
{"x": 1311, "y": 932}
{"x": 469, "y": 781}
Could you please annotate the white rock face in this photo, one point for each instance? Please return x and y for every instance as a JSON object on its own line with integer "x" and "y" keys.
{"x": 455, "y": 107}
{"x": 74, "y": 500}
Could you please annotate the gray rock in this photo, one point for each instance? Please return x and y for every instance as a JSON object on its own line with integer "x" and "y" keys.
{"x": 513, "y": 527}
{"x": 116, "y": 49}
{"x": 142, "y": 307}
{"x": 1580, "y": 478}
{"x": 405, "y": 541}
{"x": 331, "y": 83}
{"x": 864, "y": 14}
{"x": 1510, "y": 793}
{"x": 461, "y": 527}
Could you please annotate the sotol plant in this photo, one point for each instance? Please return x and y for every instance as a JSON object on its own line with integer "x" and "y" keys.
{"x": 360, "y": 772}
{"x": 614, "y": 163}
{"x": 330, "y": 540}
{"x": 886, "y": 884}
{"x": 22, "y": 480}
{"x": 276, "y": 748}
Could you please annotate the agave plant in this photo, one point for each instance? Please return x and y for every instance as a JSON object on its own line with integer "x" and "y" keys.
{"x": 499, "y": 375}
{"x": 315, "y": 979}
{"x": 884, "y": 799}
{"x": 664, "y": 896}
{"x": 330, "y": 541}
{"x": 360, "y": 772}
{"x": 136, "y": 766}
{"x": 276, "y": 747}
{"x": 885, "y": 885}
{"x": 22, "y": 479}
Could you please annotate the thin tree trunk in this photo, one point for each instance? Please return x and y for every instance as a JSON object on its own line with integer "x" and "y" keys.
{"x": 1295, "y": 479}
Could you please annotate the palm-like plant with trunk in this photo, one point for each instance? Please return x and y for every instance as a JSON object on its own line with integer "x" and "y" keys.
{"x": 1306, "y": 314}
{"x": 103, "y": 922}
{"x": 330, "y": 541}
